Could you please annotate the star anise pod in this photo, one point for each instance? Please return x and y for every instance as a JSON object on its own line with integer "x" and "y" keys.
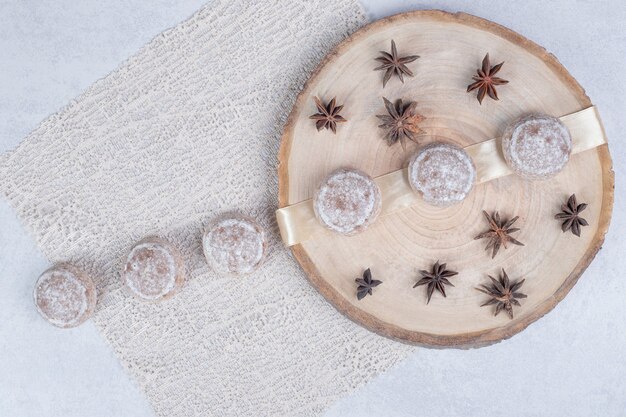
{"x": 401, "y": 122}
{"x": 485, "y": 80}
{"x": 570, "y": 214}
{"x": 366, "y": 284}
{"x": 503, "y": 293}
{"x": 393, "y": 64}
{"x": 499, "y": 233}
{"x": 435, "y": 279}
{"x": 328, "y": 115}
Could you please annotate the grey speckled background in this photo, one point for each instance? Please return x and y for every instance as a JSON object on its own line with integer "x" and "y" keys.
{"x": 572, "y": 362}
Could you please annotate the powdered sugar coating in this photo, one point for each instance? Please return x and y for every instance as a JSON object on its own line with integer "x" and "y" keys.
{"x": 65, "y": 296}
{"x": 444, "y": 174}
{"x": 234, "y": 244}
{"x": 347, "y": 201}
{"x": 154, "y": 270}
{"x": 537, "y": 146}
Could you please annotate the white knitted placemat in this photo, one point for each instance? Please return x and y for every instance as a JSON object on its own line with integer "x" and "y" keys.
{"x": 185, "y": 130}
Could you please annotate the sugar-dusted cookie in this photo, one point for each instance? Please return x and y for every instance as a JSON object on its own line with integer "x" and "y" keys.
{"x": 65, "y": 296}
{"x": 537, "y": 146}
{"x": 154, "y": 270}
{"x": 444, "y": 174}
{"x": 347, "y": 201}
{"x": 234, "y": 244}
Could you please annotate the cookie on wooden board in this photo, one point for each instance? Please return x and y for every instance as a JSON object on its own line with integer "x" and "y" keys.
{"x": 347, "y": 201}
{"x": 442, "y": 173}
{"x": 537, "y": 146}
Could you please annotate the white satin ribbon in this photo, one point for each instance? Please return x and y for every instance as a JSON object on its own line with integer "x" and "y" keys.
{"x": 298, "y": 223}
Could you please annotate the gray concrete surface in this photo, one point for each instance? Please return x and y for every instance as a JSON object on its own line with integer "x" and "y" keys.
{"x": 572, "y": 362}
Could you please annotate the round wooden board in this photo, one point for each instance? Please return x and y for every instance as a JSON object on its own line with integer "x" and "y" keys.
{"x": 451, "y": 47}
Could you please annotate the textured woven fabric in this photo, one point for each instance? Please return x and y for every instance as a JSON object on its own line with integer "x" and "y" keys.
{"x": 185, "y": 130}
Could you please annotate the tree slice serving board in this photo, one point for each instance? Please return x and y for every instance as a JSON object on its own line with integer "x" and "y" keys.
{"x": 451, "y": 47}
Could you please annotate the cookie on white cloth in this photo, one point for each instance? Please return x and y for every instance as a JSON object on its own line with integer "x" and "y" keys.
{"x": 154, "y": 270}
{"x": 65, "y": 296}
{"x": 234, "y": 244}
